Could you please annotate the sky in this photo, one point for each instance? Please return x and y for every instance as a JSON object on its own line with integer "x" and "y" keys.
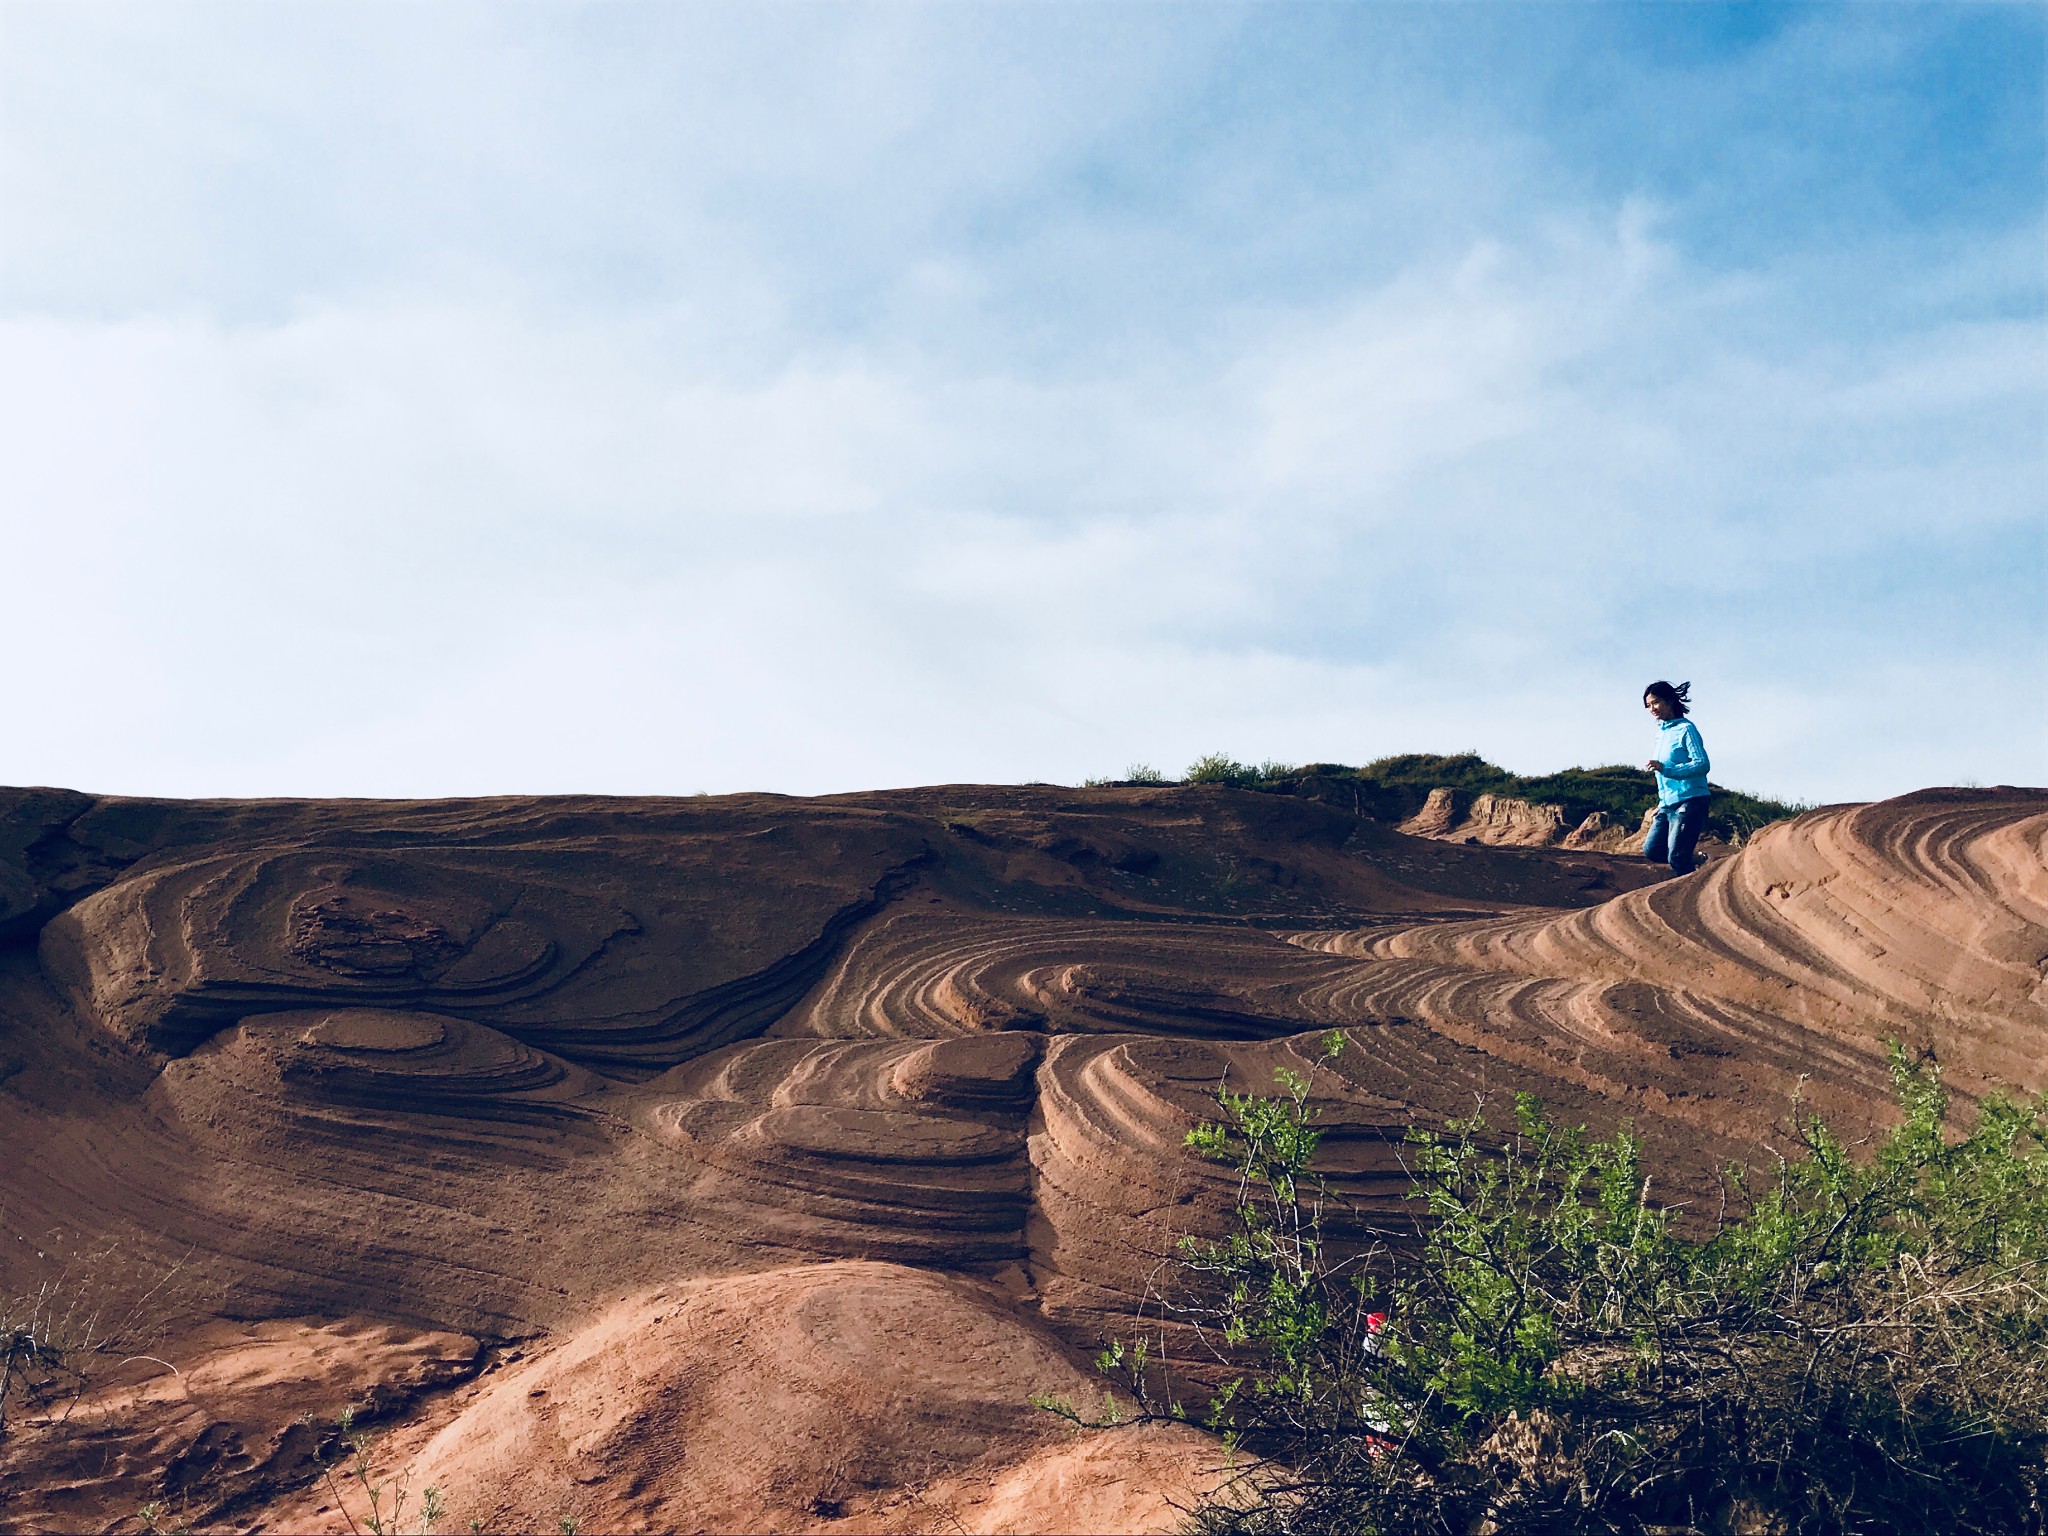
{"x": 434, "y": 399}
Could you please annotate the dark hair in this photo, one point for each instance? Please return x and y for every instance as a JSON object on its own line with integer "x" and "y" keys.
{"x": 1678, "y": 698}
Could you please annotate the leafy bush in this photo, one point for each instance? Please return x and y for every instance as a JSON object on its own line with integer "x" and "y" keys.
{"x": 1864, "y": 1348}
{"x": 1394, "y": 788}
{"x": 1222, "y": 768}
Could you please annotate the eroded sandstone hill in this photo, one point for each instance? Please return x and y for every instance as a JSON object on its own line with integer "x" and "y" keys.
{"x": 746, "y": 1162}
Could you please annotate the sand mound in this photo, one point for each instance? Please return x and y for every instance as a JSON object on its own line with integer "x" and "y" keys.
{"x": 764, "y": 1155}
{"x": 841, "y": 1396}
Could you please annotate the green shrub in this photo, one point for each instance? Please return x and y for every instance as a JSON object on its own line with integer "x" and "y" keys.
{"x": 1395, "y": 788}
{"x": 1221, "y": 768}
{"x": 1863, "y": 1348}
{"x": 1137, "y": 773}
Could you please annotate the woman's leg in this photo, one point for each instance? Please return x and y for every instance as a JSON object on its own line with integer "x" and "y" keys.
{"x": 1688, "y": 821}
{"x": 1657, "y": 839}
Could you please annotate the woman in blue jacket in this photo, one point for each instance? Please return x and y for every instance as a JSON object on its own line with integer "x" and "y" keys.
{"x": 1681, "y": 769}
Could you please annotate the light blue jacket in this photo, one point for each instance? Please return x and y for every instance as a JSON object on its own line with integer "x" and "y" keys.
{"x": 1682, "y": 762}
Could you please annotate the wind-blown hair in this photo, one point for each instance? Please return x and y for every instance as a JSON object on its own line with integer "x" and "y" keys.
{"x": 1679, "y": 697}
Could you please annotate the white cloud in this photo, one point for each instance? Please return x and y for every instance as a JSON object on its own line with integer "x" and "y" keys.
{"x": 577, "y": 423}
{"x": 438, "y": 549}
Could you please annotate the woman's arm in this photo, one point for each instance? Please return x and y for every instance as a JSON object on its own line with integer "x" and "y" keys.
{"x": 1688, "y": 755}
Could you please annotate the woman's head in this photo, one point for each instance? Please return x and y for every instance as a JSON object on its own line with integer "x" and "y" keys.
{"x": 1666, "y": 701}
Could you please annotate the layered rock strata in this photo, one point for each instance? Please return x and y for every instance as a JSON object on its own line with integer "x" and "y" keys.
{"x": 649, "y": 1113}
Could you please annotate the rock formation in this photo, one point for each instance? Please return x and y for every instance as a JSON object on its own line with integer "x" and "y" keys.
{"x": 749, "y": 1161}
{"x": 1503, "y": 821}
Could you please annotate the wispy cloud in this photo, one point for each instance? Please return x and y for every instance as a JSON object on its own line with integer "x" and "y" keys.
{"x": 445, "y": 400}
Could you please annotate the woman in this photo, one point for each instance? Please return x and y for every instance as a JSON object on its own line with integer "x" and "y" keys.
{"x": 1681, "y": 769}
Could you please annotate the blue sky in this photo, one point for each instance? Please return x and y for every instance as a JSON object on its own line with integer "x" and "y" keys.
{"x": 434, "y": 399}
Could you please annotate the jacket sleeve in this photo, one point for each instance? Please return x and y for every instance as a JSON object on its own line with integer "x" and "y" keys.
{"x": 1688, "y": 756}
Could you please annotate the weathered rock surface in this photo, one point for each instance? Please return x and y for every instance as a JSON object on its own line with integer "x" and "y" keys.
{"x": 1499, "y": 821}
{"x": 670, "y": 1164}
{"x": 1502, "y": 821}
{"x": 1607, "y": 833}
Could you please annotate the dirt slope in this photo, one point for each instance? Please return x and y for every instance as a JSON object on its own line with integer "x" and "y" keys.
{"x": 674, "y": 1164}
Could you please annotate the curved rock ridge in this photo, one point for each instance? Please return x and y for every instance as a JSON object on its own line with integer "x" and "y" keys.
{"x": 902, "y": 1150}
{"x": 1637, "y": 1050}
{"x": 505, "y": 1070}
{"x": 923, "y": 973}
{"x": 411, "y": 1068}
{"x": 1923, "y": 919}
{"x": 527, "y": 938}
{"x": 171, "y": 955}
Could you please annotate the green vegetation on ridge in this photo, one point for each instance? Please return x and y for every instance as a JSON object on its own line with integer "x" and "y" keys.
{"x": 1392, "y": 789}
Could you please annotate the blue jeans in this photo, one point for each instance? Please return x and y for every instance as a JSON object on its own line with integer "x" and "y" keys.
{"x": 1675, "y": 831}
